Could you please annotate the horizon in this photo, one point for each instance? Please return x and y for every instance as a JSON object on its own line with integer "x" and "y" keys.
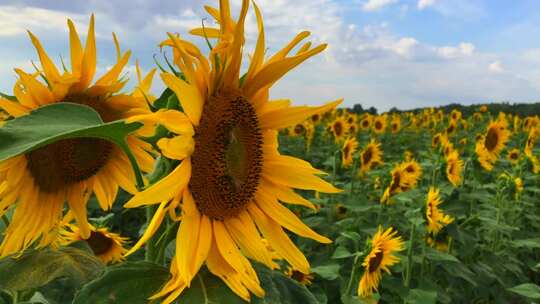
{"x": 382, "y": 53}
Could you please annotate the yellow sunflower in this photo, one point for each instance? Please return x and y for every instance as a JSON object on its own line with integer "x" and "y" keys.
{"x": 381, "y": 257}
{"x": 106, "y": 245}
{"x": 339, "y": 128}
{"x": 454, "y": 167}
{"x": 347, "y": 151}
{"x": 436, "y": 219}
{"x": 39, "y": 182}
{"x": 371, "y": 156}
{"x": 315, "y": 118}
{"x": 395, "y": 125}
{"x": 441, "y": 241}
{"x": 455, "y": 115}
{"x": 436, "y": 140}
{"x": 231, "y": 179}
{"x": 365, "y": 123}
{"x": 405, "y": 176}
{"x": 483, "y": 109}
{"x": 451, "y": 129}
{"x": 513, "y": 156}
{"x": 492, "y": 143}
{"x": 379, "y": 124}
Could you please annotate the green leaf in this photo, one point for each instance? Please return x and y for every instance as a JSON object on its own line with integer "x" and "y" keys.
{"x": 533, "y": 243}
{"x": 420, "y": 296}
{"x": 529, "y": 290}
{"x": 341, "y": 252}
{"x": 328, "y": 272}
{"x": 436, "y": 255}
{"x": 43, "y": 126}
{"x": 130, "y": 282}
{"x": 280, "y": 289}
{"x": 351, "y": 235}
{"x": 36, "y": 268}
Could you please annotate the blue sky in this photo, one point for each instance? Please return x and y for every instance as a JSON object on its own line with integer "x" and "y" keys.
{"x": 382, "y": 53}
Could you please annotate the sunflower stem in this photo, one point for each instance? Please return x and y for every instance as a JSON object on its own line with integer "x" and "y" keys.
{"x": 353, "y": 275}
{"x": 133, "y": 161}
{"x": 409, "y": 256}
{"x": 353, "y": 175}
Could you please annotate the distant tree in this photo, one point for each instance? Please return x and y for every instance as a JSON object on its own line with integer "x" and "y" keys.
{"x": 372, "y": 111}
{"x": 357, "y": 108}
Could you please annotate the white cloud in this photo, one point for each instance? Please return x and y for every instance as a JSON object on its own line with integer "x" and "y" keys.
{"x": 374, "y": 5}
{"x": 451, "y": 52}
{"x": 496, "y": 67}
{"x": 422, "y": 4}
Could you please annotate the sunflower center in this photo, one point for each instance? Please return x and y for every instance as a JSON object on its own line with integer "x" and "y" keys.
{"x": 299, "y": 129}
{"x": 491, "y": 139}
{"x": 227, "y": 162}
{"x": 338, "y": 128}
{"x": 378, "y": 125}
{"x": 375, "y": 262}
{"x": 99, "y": 243}
{"x": 366, "y": 156}
{"x": 69, "y": 161}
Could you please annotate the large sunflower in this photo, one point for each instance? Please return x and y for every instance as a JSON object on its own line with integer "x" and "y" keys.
{"x": 231, "y": 179}
{"x": 347, "y": 151}
{"x": 436, "y": 219}
{"x": 380, "y": 257}
{"x": 454, "y": 167}
{"x": 371, "y": 156}
{"x": 492, "y": 143}
{"x": 106, "y": 245}
{"x": 69, "y": 170}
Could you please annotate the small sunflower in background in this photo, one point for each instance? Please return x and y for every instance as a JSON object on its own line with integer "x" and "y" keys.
{"x": 395, "y": 125}
{"x": 70, "y": 170}
{"x": 455, "y": 115}
{"x": 454, "y": 168}
{"x": 365, "y": 123}
{"x": 315, "y": 118}
{"x": 347, "y": 151}
{"x": 109, "y": 247}
{"x": 371, "y": 156}
{"x": 339, "y": 128}
{"x": 436, "y": 140}
{"x": 436, "y": 219}
{"x": 448, "y": 148}
{"x": 300, "y": 277}
{"x": 513, "y": 156}
{"x": 483, "y": 109}
{"x": 408, "y": 155}
{"x": 405, "y": 176}
{"x": 379, "y": 124}
{"x": 452, "y": 128}
{"x": 380, "y": 257}
{"x": 463, "y": 141}
{"x": 299, "y": 129}
{"x": 231, "y": 181}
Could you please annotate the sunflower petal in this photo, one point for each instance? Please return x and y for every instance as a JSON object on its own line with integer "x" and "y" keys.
{"x": 188, "y": 95}
{"x": 285, "y": 117}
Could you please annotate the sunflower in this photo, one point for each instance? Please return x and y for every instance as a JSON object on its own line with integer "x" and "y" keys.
{"x": 299, "y": 130}
{"x": 408, "y": 155}
{"x": 69, "y": 170}
{"x": 365, "y": 123}
{"x": 452, "y": 127}
{"x": 338, "y": 128}
{"x": 478, "y": 117}
{"x": 454, "y": 167}
{"x": 380, "y": 257}
{"x": 347, "y": 151}
{"x": 455, "y": 115}
{"x": 106, "y": 245}
{"x": 492, "y": 143}
{"x": 404, "y": 177}
{"x": 463, "y": 141}
{"x": 441, "y": 241}
{"x": 513, "y": 156}
{"x": 395, "y": 125}
{"x": 436, "y": 140}
{"x": 315, "y": 118}
{"x": 518, "y": 186}
{"x": 436, "y": 219}
{"x": 448, "y": 148}
{"x": 371, "y": 156}
{"x": 483, "y": 109}
{"x": 302, "y": 278}
{"x": 231, "y": 179}
{"x": 379, "y": 124}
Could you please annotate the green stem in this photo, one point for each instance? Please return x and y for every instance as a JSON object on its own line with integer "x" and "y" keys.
{"x": 334, "y": 168}
{"x": 151, "y": 252}
{"x": 353, "y": 275}
{"x": 409, "y": 257}
{"x": 353, "y": 175}
{"x": 133, "y": 161}
{"x": 203, "y": 289}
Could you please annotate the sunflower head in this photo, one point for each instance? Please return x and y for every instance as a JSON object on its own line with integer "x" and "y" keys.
{"x": 436, "y": 219}
{"x": 365, "y": 123}
{"x": 381, "y": 256}
{"x": 339, "y": 128}
{"x": 379, "y": 124}
{"x": 513, "y": 156}
{"x": 436, "y": 140}
{"x": 371, "y": 156}
{"x": 483, "y": 109}
{"x": 106, "y": 245}
{"x": 454, "y": 167}
{"x": 300, "y": 277}
{"x": 395, "y": 125}
{"x": 347, "y": 151}
{"x": 455, "y": 115}
{"x": 299, "y": 129}
{"x": 315, "y": 118}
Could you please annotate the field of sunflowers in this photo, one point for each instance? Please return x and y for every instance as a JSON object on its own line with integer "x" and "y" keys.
{"x": 212, "y": 192}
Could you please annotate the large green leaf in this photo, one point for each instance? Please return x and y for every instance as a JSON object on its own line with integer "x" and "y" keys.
{"x": 130, "y": 282}
{"x": 528, "y": 290}
{"x": 36, "y": 268}
{"x": 420, "y": 296}
{"x": 57, "y": 121}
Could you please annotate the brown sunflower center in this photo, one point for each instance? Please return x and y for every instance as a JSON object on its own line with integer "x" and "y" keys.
{"x": 99, "y": 243}
{"x": 227, "y": 162}
{"x": 299, "y": 129}
{"x": 378, "y": 125}
{"x": 338, "y": 128}
{"x": 69, "y": 161}
{"x": 375, "y": 262}
{"x": 365, "y": 123}
{"x": 492, "y": 138}
{"x": 366, "y": 156}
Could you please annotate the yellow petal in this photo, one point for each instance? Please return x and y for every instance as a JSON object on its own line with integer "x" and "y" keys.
{"x": 286, "y": 194}
{"x": 173, "y": 120}
{"x": 258, "y": 55}
{"x": 88, "y": 68}
{"x": 112, "y": 75}
{"x": 156, "y": 221}
{"x": 40, "y": 93}
{"x": 178, "y": 147}
{"x": 285, "y": 117}
{"x": 51, "y": 73}
{"x": 279, "y": 240}
{"x": 187, "y": 238}
{"x": 12, "y": 108}
{"x": 208, "y": 32}
{"x": 75, "y": 49}
{"x": 293, "y": 177}
{"x": 286, "y": 217}
{"x": 188, "y": 94}
{"x": 164, "y": 189}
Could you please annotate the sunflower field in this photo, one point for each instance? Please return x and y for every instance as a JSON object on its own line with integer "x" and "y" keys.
{"x": 212, "y": 192}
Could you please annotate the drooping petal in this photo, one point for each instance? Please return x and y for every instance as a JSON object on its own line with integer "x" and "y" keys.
{"x": 188, "y": 94}
{"x": 178, "y": 147}
{"x": 285, "y": 117}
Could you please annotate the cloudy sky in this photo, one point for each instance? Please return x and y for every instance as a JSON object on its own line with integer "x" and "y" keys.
{"x": 382, "y": 53}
